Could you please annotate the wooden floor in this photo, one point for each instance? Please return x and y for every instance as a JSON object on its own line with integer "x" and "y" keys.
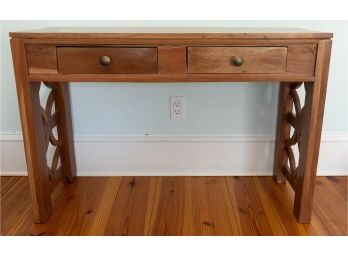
{"x": 174, "y": 206}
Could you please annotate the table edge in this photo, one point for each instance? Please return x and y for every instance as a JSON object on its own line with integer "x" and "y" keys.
{"x": 102, "y": 35}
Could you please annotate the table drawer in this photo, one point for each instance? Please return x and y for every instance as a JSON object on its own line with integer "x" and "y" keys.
{"x": 237, "y": 59}
{"x": 108, "y": 60}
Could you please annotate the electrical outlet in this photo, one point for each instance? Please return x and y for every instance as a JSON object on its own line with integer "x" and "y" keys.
{"x": 177, "y": 107}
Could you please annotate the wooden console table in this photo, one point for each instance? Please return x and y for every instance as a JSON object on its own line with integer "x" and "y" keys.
{"x": 56, "y": 56}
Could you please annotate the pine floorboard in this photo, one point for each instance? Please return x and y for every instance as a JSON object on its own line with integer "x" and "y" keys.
{"x": 174, "y": 206}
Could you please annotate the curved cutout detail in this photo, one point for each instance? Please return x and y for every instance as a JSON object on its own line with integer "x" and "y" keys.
{"x": 49, "y": 121}
{"x": 295, "y": 119}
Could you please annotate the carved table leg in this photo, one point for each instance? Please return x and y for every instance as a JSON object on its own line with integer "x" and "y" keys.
{"x": 33, "y": 135}
{"x": 306, "y": 122}
{"x": 311, "y": 133}
{"x": 38, "y": 125}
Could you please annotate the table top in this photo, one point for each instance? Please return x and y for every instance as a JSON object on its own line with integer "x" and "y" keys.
{"x": 172, "y": 32}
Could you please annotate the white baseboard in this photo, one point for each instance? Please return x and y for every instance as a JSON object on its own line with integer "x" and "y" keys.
{"x": 203, "y": 155}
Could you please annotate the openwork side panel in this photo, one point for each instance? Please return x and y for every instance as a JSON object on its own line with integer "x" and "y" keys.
{"x": 293, "y": 147}
{"x": 52, "y": 142}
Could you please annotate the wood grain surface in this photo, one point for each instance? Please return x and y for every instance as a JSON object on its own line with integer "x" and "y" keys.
{"x": 174, "y": 206}
{"x": 170, "y": 32}
{"x": 41, "y": 59}
{"x": 219, "y": 59}
{"x": 86, "y": 60}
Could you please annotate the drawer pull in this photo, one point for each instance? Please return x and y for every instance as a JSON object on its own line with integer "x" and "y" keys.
{"x": 105, "y": 60}
{"x": 237, "y": 60}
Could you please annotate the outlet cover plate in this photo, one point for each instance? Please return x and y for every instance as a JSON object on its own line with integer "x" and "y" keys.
{"x": 177, "y": 107}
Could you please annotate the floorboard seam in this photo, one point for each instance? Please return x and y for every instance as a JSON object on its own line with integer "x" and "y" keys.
{"x": 234, "y": 214}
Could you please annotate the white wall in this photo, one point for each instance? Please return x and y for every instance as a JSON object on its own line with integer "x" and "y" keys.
{"x": 221, "y": 110}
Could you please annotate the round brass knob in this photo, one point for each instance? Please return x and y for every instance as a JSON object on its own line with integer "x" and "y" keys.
{"x": 105, "y": 60}
{"x": 237, "y": 60}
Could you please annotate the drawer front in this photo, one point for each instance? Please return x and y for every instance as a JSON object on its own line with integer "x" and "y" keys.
{"x": 236, "y": 59}
{"x": 108, "y": 60}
